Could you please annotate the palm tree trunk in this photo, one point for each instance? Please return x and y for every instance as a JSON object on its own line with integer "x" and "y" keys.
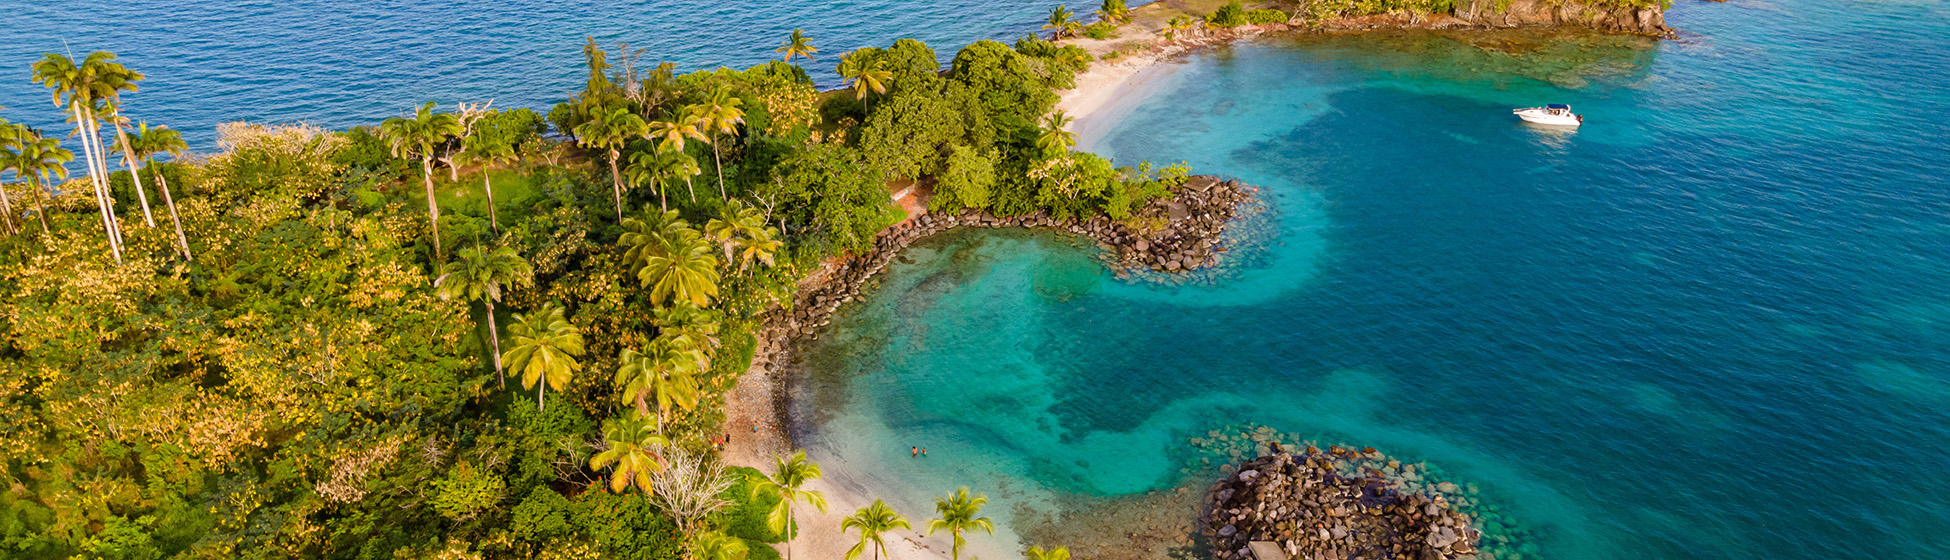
{"x": 494, "y": 334}
{"x": 7, "y": 206}
{"x": 34, "y": 182}
{"x": 541, "y": 383}
{"x": 101, "y": 162}
{"x": 128, "y": 156}
{"x": 616, "y": 182}
{"x": 662, "y": 202}
{"x": 163, "y": 185}
{"x": 433, "y": 209}
{"x": 487, "y": 185}
{"x": 690, "y": 187}
{"x": 94, "y": 179}
{"x": 720, "y": 161}
{"x": 791, "y": 529}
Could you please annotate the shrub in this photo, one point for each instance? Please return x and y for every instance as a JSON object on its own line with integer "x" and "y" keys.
{"x": 1100, "y": 30}
{"x": 745, "y": 519}
{"x": 465, "y": 492}
{"x": 965, "y": 181}
{"x": 1263, "y": 17}
{"x": 543, "y": 515}
{"x": 626, "y": 526}
{"x": 1229, "y": 15}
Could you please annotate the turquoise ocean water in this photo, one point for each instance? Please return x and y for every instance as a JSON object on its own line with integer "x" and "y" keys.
{"x": 1713, "y": 323}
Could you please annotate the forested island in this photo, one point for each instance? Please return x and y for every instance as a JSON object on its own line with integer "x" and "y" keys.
{"x": 484, "y": 332}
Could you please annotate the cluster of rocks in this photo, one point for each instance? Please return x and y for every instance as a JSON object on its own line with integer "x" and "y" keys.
{"x": 1176, "y": 234}
{"x": 1334, "y": 504}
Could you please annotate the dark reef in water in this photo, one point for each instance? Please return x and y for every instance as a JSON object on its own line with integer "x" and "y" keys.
{"x": 1337, "y": 503}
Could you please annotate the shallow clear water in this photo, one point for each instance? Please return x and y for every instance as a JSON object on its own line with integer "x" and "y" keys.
{"x": 1713, "y": 323}
{"x": 340, "y": 63}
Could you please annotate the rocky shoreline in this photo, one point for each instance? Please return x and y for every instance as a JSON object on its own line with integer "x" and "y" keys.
{"x": 1337, "y": 503}
{"x": 1174, "y": 235}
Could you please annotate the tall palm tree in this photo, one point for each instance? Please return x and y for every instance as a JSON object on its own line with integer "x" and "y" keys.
{"x": 786, "y": 484}
{"x": 721, "y": 115}
{"x": 147, "y": 144}
{"x": 864, "y": 73}
{"x": 664, "y": 373}
{"x": 478, "y": 274}
{"x": 34, "y": 160}
{"x": 633, "y": 453}
{"x": 1061, "y": 20}
{"x": 610, "y": 130}
{"x": 656, "y": 166}
{"x": 1056, "y": 138}
{"x": 85, "y": 86}
{"x": 871, "y": 521}
{"x": 487, "y": 149}
{"x": 688, "y": 122}
{"x": 689, "y": 328}
{"x": 959, "y": 513}
{"x": 116, "y": 119}
{"x": 682, "y": 267}
{"x": 1057, "y": 553}
{"x": 797, "y": 46}
{"x": 545, "y": 349}
{"x": 10, "y": 137}
{"x": 419, "y": 137}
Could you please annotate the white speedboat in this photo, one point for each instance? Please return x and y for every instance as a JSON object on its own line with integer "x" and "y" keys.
{"x": 1552, "y": 114}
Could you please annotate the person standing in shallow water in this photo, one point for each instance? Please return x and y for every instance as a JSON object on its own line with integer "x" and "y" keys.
{"x": 913, "y": 452}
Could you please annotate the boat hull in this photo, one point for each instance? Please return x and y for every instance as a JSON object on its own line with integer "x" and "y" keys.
{"x": 1544, "y": 118}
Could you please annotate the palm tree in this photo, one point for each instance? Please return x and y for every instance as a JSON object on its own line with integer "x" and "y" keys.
{"x": 545, "y": 349}
{"x": 609, "y": 130}
{"x": 715, "y": 545}
{"x": 871, "y": 521}
{"x": 10, "y": 136}
{"x": 958, "y": 514}
{"x": 33, "y": 161}
{"x": 633, "y": 452}
{"x": 148, "y": 142}
{"x": 1175, "y": 25}
{"x": 1060, "y": 19}
{"x": 742, "y": 232}
{"x": 863, "y": 73}
{"x": 1058, "y": 553}
{"x": 687, "y": 123}
{"x": 654, "y": 166}
{"x": 1055, "y": 138}
{"x": 418, "y": 137}
{"x": 116, "y": 119}
{"x": 689, "y": 329}
{"x": 488, "y": 149}
{"x": 721, "y": 115}
{"x": 479, "y": 275}
{"x": 680, "y": 267}
{"x": 85, "y": 86}
{"x": 644, "y": 237}
{"x": 1113, "y": 11}
{"x": 785, "y": 483}
{"x": 797, "y": 47}
{"x": 662, "y": 373}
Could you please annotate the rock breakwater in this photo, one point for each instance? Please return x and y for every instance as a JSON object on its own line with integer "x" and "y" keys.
{"x": 1337, "y": 503}
{"x": 1172, "y": 235}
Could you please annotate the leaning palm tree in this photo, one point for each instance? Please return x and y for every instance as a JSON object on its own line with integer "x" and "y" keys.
{"x": 634, "y": 454}
{"x": 796, "y": 47}
{"x": 488, "y": 149}
{"x": 786, "y": 485}
{"x": 664, "y": 373}
{"x": 150, "y": 142}
{"x": 34, "y": 161}
{"x": 1056, "y": 138}
{"x": 478, "y": 275}
{"x": 683, "y": 267}
{"x": 959, "y": 513}
{"x": 720, "y": 115}
{"x": 1061, "y": 20}
{"x": 864, "y": 73}
{"x": 716, "y": 545}
{"x": 116, "y": 119}
{"x": 419, "y": 137}
{"x": 610, "y": 130}
{"x": 545, "y": 349}
{"x": 871, "y": 522}
{"x": 1113, "y": 11}
{"x": 82, "y": 88}
{"x": 1057, "y": 553}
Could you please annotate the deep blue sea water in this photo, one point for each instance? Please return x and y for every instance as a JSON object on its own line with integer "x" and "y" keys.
{"x": 1713, "y": 323}
{"x": 343, "y": 63}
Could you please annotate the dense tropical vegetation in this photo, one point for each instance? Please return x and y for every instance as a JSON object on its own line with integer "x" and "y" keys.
{"x": 304, "y": 363}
